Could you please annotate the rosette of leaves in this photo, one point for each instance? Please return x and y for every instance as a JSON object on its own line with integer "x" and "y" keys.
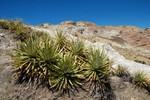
{"x": 78, "y": 49}
{"x": 35, "y": 59}
{"x": 26, "y": 59}
{"x": 61, "y": 41}
{"x": 67, "y": 76}
{"x": 49, "y": 56}
{"x": 140, "y": 79}
{"x": 97, "y": 75}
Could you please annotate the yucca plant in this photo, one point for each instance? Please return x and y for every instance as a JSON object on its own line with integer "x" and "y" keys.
{"x": 140, "y": 79}
{"x": 61, "y": 41}
{"x": 67, "y": 76}
{"x": 35, "y": 59}
{"x": 48, "y": 54}
{"x": 26, "y": 59}
{"x": 98, "y": 66}
{"x": 78, "y": 50}
{"x": 97, "y": 72}
{"x": 48, "y": 58}
{"x": 77, "y": 47}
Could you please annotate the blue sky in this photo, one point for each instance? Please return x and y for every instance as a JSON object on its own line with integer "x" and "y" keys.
{"x": 100, "y": 12}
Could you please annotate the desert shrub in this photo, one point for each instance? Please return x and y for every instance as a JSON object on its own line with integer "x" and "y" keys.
{"x": 78, "y": 49}
{"x": 16, "y": 27}
{"x": 22, "y": 33}
{"x": 40, "y": 34}
{"x": 57, "y": 63}
{"x": 122, "y": 71}
{"x": 4, "y": 24}
{"x": 140, "y": 79}
{"x": 67, "y": 76}
{"x": 60, "y": 41}
{"x": 15, "y": 24}
{"x": 97, "y": 72}
{"x": 10, "y": 24}
{"x": 35, "y": 59}
{"x": 26, "y": 59}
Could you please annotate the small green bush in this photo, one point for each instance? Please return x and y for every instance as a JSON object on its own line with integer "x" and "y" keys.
{"x": 16, "y": 27}
{"x": 67, "y": 76}
{"x": 15, "y": 24}
{"x": 78, "y": 49}
{"x": 97, "y": 74}
{"x": 60, "y": 40}
{"x": 140, "y": 79}
{"x": 58, "y": 63}
{"x": 35, "y": 59}
{"x": 122, "y": 71}
{"x": 4, "y": 24}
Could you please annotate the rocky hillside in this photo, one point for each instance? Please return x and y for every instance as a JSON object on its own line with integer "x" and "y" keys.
{"x": 132, "y": 42}
{"x": 124, "y": 35}
{"x": 125, "y": 46}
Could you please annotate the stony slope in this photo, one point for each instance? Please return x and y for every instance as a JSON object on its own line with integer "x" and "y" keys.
{"x": 10, "y": 91}
{"x": 111, "y": 39}
{"x": 130, "y": 41}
